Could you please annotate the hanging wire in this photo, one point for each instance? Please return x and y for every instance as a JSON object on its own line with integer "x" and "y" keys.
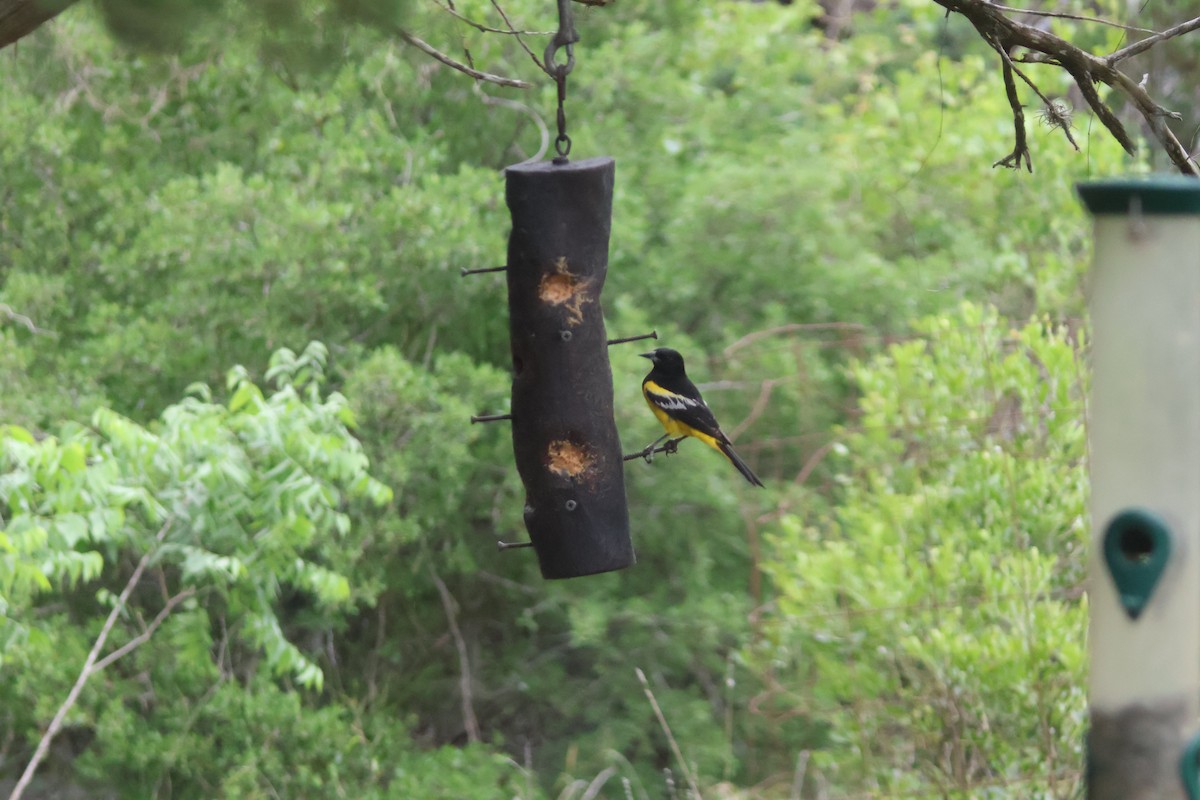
{"x": 565, "y": 37}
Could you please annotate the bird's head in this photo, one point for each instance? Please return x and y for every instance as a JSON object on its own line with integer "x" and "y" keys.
{"x": 665, "y": 358}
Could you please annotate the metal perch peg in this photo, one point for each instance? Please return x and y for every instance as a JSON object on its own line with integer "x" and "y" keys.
{"x": 465, "y": 272}
{"x": 623, "y": 340}
{"x": 670, "y": 447}
{"x": 490, "y": 418}
{"x": 564, "y": 437}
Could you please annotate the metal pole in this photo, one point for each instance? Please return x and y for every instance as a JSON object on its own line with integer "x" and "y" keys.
{"x": 1144, "y": 572}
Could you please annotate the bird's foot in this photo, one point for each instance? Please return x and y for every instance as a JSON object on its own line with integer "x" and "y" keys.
{"x": 671, "y": 446}
{"x": 648, "y": 453}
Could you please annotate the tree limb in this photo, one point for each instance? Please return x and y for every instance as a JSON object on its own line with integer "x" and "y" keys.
{"x": 1087, "y": 87}
{"x": 470, "y": 722}
{"x": 8, "y": 311}
{"x": 1020, "y": 143}
{"x": 1047, "y": 103}
{"x": 793, "y": 327}
{"x": 500, "y": 9}
{"x": 1145, "y": 44}
{"x": 662, "y": 722}
{"x": 1154, "y": 114}
{"x": 1002, "y": 32}
{"x": 141, "y": 638}
{"x": 430, "y": 50}
{"x": 19, "y": 18}
{"x": 510, "y": 31}
{"x": 90, "y": 665}
{"x": 504, "y": 102}
{"x": 1079, "y": 17}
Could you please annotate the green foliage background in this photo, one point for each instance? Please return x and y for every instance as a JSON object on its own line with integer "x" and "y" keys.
{"x": 899, "y": 615}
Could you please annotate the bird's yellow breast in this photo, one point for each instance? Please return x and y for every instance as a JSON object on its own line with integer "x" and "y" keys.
{"x": 671, "y": 425}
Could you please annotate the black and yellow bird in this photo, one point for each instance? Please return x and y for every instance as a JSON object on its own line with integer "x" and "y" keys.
{"x": 677, "y": 403}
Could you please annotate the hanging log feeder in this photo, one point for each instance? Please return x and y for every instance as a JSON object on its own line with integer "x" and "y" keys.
{"x": 564, "y": 436}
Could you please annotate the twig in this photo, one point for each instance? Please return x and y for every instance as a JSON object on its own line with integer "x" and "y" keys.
{"x": 8, "y": 311}
{"x": 1087, "y": 87}
{"x": 500, "y": 10}
{"x": 794, "y": 327}
{"x": 470, "y": 722}
{"x": 430, "y": 50}
{"x": 1020, "y": 143}
{"x": 662, "y": 721}
{"x": 759, "y": 408}
{"x": 1154, "y": 115}
{"x": 814, "y": 460}
{"x": 19, "y": 18}
{"x": 518, "y": 106}
{"x": 801, "y": 770}
{"x": 510, "y": 31}
{"x": 1004, "y": 33}
{"x": 1066, "y": 128}
{"x": 1064, "y": 15}
{"x": 593, "y": 788}
{"x": 141, "y": 638}
{"x": 90, "y": 666}
{"x": 1145, "y": 44}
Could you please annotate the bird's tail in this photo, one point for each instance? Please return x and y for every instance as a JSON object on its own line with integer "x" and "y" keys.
{"x": 736, "y": 460}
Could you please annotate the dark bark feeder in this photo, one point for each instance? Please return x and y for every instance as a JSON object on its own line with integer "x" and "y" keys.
{"x": 564, "y": 436}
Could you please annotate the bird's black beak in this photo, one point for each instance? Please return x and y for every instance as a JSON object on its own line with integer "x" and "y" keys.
{"x": 647, "y": 355}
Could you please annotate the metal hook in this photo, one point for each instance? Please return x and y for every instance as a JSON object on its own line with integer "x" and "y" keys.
{"x": 566, "y": 36}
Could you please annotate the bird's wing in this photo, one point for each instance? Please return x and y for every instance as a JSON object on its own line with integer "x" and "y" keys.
{"x": 691, "y": 411}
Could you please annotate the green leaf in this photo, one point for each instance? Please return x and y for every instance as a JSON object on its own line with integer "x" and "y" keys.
{"x": 74, "y": 459}
{"x": 16, "y": 433}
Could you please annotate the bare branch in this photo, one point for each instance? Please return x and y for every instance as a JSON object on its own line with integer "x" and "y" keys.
{"x": 1155, "y": 118}
{"x": 1036, "y": 58}
{"x": 806, "y": 470}
{"x": 662, "y": 721}
{"x": 89, "y": 667}
{"x": 1145, "y": 44}
{"x": 1080, "y": 17}
{"x": 1002, "y": 32}
{"x": 8, "y": 311}
{"x": 470, "y": 722}
{"x": 141, "y": 638}
{"x": 793, "y": 327}
{"x": 1020, "y": 143}
{"x": 510, "y": 31}
{"x": 500, "y": 10}
{"x": 515, "y": 105}
{"x": 1087, "y": 87}
{"x": 428, "y": 49}
{"x": 759, "y": 408}
{"x": 19, "y": 18}
{"x": 1066, "y": 129}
